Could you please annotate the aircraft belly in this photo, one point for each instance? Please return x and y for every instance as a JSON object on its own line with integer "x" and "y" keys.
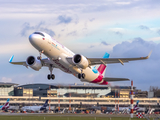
{"x": 89, "y": 75}
{"x": 58, "y": 56}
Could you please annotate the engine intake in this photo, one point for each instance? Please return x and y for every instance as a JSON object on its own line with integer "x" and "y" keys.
{"x": 80, "y": 61}
{"x": 34, "y": 63}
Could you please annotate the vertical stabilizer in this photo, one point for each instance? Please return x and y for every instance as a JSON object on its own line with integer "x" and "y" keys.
{"x": 102, "y": 67}
{"x": 44, "y": 105}
{"x": 136, "y": 107}
{"x": 6, "y": 105}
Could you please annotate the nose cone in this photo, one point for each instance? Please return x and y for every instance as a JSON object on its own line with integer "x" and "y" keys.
{"x": 34, "y": 39}
{"x": 31, "y": 38}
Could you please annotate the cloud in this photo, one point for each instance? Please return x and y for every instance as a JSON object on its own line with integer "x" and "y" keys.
{"x": 118, "y": 33}
{"x": 92, "y": 19}
{"x": 73, "y": 33}
{"x": 104, "y": 43}
{"x": 158, "y": 32}
{"x": 143, "y": 27}
{"x": 39, "y": 27}
{"x": 4, "y": 79}
{"x": 64, "y": 19}
{"x": 92, "y": 46}
{"x": 137, "y": 46}
{"x": 142, "y": 72}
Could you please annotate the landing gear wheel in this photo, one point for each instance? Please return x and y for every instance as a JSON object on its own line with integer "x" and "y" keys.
{"x": 52, "y": 76}
{"x": 79, "y": 76}
{"x": 49, "y": 76}
{"x": 83, "y": 75}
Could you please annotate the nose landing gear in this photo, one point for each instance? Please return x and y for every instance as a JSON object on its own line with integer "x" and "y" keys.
{"x": 40, "y": 55}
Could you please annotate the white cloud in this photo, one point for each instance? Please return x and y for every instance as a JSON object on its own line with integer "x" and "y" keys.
{"x": 5, "y": 79}
{"x": 154, "y": 39}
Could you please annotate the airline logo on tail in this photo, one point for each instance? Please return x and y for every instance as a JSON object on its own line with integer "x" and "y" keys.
{"x": 6, "y": 106}
{"x": 45, "y": 105}
{"x": 102, "y": 67}
{"x": 136, "y": 107}
{"x": 101, "y": 70}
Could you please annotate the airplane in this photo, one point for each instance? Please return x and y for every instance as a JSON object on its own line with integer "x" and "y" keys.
{"x": 35, "y": 108}
{"x": 128, "y": 109}
{"x": 5, "y": 106}
{"x": 58, "y": 56}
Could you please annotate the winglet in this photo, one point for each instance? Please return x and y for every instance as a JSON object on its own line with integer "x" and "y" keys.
{"x": 10, "y": 60}
{"x": 149, "y": 54}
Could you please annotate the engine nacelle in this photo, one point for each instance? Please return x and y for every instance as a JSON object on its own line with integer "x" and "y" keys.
{"x": 34, "y": 63}
{"x": 80, "y": 61}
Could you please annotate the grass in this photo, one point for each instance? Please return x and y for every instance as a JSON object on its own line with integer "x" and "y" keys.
{"x": 63, "y": 118}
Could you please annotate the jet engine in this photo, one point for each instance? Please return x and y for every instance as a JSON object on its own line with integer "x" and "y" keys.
{"x": 80, "y": 61}
{"x": 34, "y": 63}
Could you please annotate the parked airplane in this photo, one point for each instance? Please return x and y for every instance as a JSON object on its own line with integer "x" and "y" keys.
{"x": 5, "y": 106}
{"x": 128, "y": 109}
{"x": 58, "y": 56}
{"x": 35, "y": 108}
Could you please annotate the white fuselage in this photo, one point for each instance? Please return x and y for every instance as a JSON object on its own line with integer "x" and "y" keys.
{"x": 31, "y": 108}
{"x": 58, "y": 53}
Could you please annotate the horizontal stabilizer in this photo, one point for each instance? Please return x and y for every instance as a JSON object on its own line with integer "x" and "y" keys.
{"x": 115, "y": 79}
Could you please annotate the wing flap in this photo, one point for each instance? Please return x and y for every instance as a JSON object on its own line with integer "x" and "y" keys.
{"x": 115, "y": 79}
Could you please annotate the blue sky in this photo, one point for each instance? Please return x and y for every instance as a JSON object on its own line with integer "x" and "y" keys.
{"x": 122, "y": 28}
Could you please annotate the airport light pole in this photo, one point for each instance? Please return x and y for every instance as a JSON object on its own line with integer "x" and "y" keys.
{"x": 69, "y": 100}
{"x": 118, "y": 101}
{"x": 131, "y": 113}
{"x": 59, "y": 103}
{"x": 49, "y": 98}
{"x": 115, "y": 102}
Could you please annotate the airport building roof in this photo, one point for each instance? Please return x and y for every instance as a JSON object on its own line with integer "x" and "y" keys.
{"x": 52, "y": 86}
{"x": 7, "y": 84}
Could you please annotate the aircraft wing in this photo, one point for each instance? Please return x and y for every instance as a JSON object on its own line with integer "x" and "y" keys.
{"x": 95, "y": 61}
{"x": 115, "y": 79}
{"x": 45, "y": 62}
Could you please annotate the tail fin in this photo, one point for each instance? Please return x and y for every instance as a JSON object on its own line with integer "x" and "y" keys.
{"x": 46, "y": 103}
{"x": 102, "y": 67}
{"x": 6, "y": 105}
{"x": 136, "y": 106}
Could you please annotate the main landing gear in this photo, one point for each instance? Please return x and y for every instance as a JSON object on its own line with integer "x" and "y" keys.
{"x": 81, "y": 75}
{"x": 51, "y": 76}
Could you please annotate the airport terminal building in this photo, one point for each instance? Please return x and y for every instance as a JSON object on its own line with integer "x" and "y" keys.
{"x": 74, "y": 95}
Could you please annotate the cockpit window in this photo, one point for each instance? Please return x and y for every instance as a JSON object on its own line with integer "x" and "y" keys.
{"x": 39, "y": 33}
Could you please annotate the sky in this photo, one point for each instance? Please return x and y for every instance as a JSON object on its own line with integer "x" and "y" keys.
{"x": 122, "y": 28}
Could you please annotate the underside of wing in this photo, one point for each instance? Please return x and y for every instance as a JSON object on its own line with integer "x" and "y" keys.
{"x": 95, "y": 61}
{"x": 115, "y": 79}
{"x": 19, "y": 63}
{"x": 45, "y": 62}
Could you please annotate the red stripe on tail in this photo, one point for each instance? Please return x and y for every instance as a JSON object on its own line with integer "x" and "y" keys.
{"x": 101, "y": 68}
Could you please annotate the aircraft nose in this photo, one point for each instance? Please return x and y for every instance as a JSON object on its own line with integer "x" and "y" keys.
{"x": 34, "y": 39}
{"x": 31, "y": 38}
